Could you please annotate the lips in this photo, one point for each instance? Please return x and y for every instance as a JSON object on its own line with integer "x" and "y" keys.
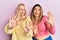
{"x": 36, "y": 13}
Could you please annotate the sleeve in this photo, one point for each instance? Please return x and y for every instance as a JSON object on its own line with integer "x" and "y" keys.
{"x": 30, "y": 33}
{"x": 8, "y": 30}
{"x": 50, "y": 28}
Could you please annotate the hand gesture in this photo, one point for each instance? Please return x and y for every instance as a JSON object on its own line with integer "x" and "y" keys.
{"x": 50, "y": 18}
{"x": 12, "y": 21}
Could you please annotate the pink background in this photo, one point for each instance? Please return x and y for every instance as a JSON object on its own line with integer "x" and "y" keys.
{"x": 7, "y": 8}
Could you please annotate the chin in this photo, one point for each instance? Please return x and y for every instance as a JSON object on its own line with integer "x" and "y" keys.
{"x": 36, "y": 15}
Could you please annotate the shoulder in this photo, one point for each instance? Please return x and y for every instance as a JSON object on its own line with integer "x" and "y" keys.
{"x": 45, "y": 17}
{"x": 28, "y": 18}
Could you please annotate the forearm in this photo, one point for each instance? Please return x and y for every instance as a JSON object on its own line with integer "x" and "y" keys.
{"x": 8, "y": 30}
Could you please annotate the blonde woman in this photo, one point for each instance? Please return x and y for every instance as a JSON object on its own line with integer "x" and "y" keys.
{"x": 43, "y": 25}
{"x": 20, "y": 25}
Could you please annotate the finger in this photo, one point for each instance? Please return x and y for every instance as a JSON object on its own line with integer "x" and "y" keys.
{"x": 51, "y": 18}
{"x": 10, "y": 17}
{"x": 51, "y": 21}
{"x": 50, "y": 14}
{"x": 15, "y": 17}
{"x": 47, "y": 20}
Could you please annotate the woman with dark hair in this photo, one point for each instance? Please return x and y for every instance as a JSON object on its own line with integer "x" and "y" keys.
{"x": 43, "y": 25}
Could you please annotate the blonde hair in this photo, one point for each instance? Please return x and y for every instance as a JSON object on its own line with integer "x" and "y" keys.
{"x": 17, "y": 8}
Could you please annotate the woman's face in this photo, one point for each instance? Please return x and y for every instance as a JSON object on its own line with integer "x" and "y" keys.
{"x": 22, "y": 10}
{"x": 36, "y": 11}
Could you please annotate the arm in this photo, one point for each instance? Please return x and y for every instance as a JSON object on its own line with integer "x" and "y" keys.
{"x": 11, "y": 24}
{"x": 8, "y": 30}
{"x": 49, "y": 26}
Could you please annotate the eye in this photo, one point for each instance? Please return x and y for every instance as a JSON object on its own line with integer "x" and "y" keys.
{"x": 24, "y": 9}
{"x": 35, "y": 9}
{"x": 20, "y": 9}
{"x": 39, "y": 9}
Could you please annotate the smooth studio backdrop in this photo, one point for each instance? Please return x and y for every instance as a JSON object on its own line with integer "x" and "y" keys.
{"x": 7, "y": 8}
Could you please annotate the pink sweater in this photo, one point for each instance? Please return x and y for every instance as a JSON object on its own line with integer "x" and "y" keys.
{"x": 44, "y": 27}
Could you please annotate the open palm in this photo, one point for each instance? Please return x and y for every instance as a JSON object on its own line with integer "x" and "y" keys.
{"x": 12, "y": 21}
{"x": 50, "y": 18}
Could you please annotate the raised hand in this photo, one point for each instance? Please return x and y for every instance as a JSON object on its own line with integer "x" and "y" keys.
{"x": 50, "y": 18}
{"x": 12, "y": 21}
{"x": 35, "y": 29}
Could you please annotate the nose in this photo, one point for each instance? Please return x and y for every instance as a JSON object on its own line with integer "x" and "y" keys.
{"x": 36, "y": 10}
{"x": 22, "y": 10}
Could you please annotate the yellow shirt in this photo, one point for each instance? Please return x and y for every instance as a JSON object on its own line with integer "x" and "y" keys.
{"x": 18, "y": 33}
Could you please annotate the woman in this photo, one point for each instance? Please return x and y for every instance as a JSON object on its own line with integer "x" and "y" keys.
{"x": 20, "y": 25}
{"x": 43, "y": 25}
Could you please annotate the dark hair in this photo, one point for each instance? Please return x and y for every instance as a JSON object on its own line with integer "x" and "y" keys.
{"x": 32, "y": 13}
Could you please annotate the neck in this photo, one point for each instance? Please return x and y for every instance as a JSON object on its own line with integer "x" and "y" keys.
{"x": 36, "y": 18}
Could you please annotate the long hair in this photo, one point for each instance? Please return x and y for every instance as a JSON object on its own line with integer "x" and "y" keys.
{"x": 33, "y": 16}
